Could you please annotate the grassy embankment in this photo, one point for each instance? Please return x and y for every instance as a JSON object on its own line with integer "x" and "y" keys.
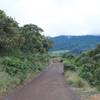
{"x": 16, "y": 70}
{"x": 82, "y": 72}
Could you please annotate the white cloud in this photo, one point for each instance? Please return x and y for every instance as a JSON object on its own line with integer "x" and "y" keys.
{"x": 57, "y": 17}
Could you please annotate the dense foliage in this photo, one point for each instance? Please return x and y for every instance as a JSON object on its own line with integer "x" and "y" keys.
{"x": 23, "y": 50}
{"x": 87, "y": 65}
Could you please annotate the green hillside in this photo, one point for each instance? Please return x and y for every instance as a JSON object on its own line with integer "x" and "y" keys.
{"x": 75, "y": 44}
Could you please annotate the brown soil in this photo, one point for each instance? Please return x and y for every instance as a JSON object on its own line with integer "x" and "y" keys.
{"x": 50, "y": 85}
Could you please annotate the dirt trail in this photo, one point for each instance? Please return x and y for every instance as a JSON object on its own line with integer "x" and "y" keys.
{"x": 50, "y": 85}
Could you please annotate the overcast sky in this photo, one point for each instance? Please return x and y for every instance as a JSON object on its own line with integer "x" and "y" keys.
{"x": 57, "y": 17}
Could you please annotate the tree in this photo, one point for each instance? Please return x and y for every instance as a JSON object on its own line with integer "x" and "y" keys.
{"x": 27, "y": 38}
{"x": 47, "y": 43}
{"x": 34, "y": 41}
{"x": 9, "y": 36}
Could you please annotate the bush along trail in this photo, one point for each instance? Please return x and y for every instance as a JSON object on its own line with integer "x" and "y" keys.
{"x": 23, "y": 52}
{"x": 83, "y": 71}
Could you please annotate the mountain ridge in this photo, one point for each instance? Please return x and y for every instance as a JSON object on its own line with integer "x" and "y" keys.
{"x": 74, "y": 43}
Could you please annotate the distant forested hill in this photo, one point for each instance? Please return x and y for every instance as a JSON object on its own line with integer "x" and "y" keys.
{"x": 75, "y": 44}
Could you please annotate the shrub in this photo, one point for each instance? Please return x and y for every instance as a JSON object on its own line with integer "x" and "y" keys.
{"x": 68, "y": 56}
{"x": 61, "y": 60}
{"x": 75, "y": 80}
{"x": 13, "y": 66}
{"x": 69, "y": 67}
{"x": 5, "y": 82}
{"x": 96, "y": 57}
{"x": 90, "y": 73}
{"x": 97, "y": 76}
{"x": 84, "y": 60}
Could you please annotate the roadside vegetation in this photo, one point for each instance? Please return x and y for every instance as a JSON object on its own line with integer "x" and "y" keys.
{"x": 83, "y": 71}
{"x": 23, "y": 52}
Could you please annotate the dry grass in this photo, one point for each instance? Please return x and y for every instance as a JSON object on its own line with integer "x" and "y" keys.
{"x": 95, "y": 97}
{"x": 81, "y": 86}
{"x": 75, "y": 80}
